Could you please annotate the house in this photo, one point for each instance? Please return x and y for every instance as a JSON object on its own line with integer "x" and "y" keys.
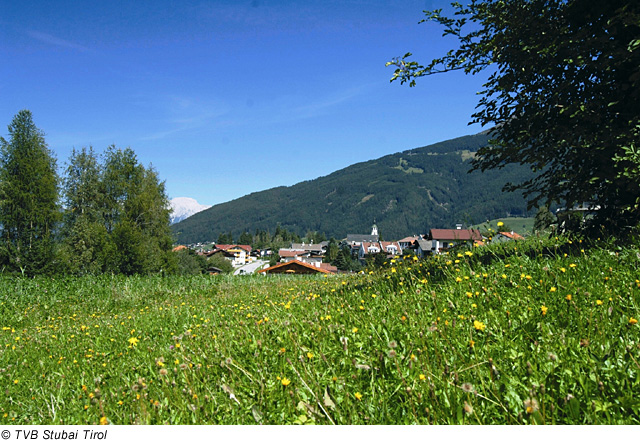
{"x": 387, "y": 247}
{"x": 506, "y": 236}
{"x": 408, "y": 242}
{"x": 179, "y": 248}
{"x": 295, "y": 267}
{"x": 309, "y": 257}
{"x": 391, "y": 248}
{"x": 318, "y": 248}
{"x": 446, "y": 238}
{"x": 423, "y": 247}
{"x": 237, "y": 254}
{"x": 354, "y": 241}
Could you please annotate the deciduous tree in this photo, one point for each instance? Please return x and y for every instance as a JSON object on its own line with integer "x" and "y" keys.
{"x": 563, "y": 96}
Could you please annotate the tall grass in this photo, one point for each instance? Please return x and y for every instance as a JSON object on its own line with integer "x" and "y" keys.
{"x": 542, "y": 331}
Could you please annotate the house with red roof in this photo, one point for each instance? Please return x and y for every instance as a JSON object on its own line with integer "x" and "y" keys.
{"x": 506, "y": 236}
{"x": 447, "y": 238}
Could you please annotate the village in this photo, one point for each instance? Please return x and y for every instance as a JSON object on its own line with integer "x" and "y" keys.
{"x": 311, "y": 258}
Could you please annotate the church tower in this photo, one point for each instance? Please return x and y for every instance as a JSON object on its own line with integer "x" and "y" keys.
{"x": 374, "y": 229}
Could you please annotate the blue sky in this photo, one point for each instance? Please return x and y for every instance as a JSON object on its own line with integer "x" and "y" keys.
{"x": 225, "y": 98}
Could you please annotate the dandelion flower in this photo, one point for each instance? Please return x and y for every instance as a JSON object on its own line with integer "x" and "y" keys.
{"x": 553, "y": 289}
{"x": 133, "y": 341}
{"x": 499, "y": 224}
{"x": 598, "y": 302}
{"x": 103, "y": 420}
{"x": 285, "y": 381}
{"x": 354, "y": 330}
{"x": 358, "y": 396}
{"x": 478, "y": 325}
{"x": 568, "y": 297}
{"x": 632, "y": 321}
{"x": 309, "y": 355}
{"x": 422, "y": 377}
{"x": 544, "y": 310}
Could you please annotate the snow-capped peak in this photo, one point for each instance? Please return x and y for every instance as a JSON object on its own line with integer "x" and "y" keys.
{"x": 183, "y": 207}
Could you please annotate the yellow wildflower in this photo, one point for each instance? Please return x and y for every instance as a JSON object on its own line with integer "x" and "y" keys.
{"x": 478, "y": 325}
{"x": 133, "y": 341}
{"x": 309, "y": 355}
{"x": 544, "y": 310}
{"x": 358, "y": 395}
{"x": 285, "y": 381}
{"x": 632, "y": 321}
{"x": 103, "y": 420}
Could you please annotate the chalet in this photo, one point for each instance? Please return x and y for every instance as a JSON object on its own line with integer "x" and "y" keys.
{"x": 297, "y": 267}
{"x": 446, "y": 238}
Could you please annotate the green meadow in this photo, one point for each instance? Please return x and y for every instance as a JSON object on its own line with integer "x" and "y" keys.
{"x": 537, "y": 332}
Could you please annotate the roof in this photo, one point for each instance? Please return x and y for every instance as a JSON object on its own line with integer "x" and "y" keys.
{"x": 359, "y": 238}
{"x": 455, "y": 234}
{"x": 294, "y": 267}
{"x": 409, "y": 239}
{"x": 512, "y": 235}
{"x": 291, "y": 252}
{"x": 226, "y": 247}
{"x": 179, "y": 248}
{"x": 317, "y": 247}
{"x": 425, "y": 245}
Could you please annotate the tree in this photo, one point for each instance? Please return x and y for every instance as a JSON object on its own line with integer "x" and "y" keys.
{"x": 563, "y": 98}
{"x": 136, "y": 215}
{"x": 28, "y": 198}
{"x": 544, "y": 219}
{"x": 245, "y": 238}
{"x": 84, "y": 232}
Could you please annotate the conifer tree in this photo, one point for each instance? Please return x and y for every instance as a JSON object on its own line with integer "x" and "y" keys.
{"x": 28, "y": 198}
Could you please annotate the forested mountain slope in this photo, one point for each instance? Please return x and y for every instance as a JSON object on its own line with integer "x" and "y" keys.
{"x": 406, "y": 193}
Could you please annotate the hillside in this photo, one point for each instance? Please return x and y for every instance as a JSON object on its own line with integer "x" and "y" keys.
{"x": 406, "y": 193}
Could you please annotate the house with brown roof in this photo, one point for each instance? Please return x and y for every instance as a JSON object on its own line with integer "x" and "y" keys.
{"x": 447, "y": 238}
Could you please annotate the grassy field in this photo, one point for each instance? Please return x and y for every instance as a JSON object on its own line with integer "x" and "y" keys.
{"x": 538, "y": 332}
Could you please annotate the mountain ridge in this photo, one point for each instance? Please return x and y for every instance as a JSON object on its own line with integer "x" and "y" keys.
{"x": 406, "y": 193}
{"x": 184, "y": 207}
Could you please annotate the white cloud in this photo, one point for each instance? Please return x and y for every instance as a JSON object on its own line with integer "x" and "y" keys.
{"x": 55, "y": 41}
